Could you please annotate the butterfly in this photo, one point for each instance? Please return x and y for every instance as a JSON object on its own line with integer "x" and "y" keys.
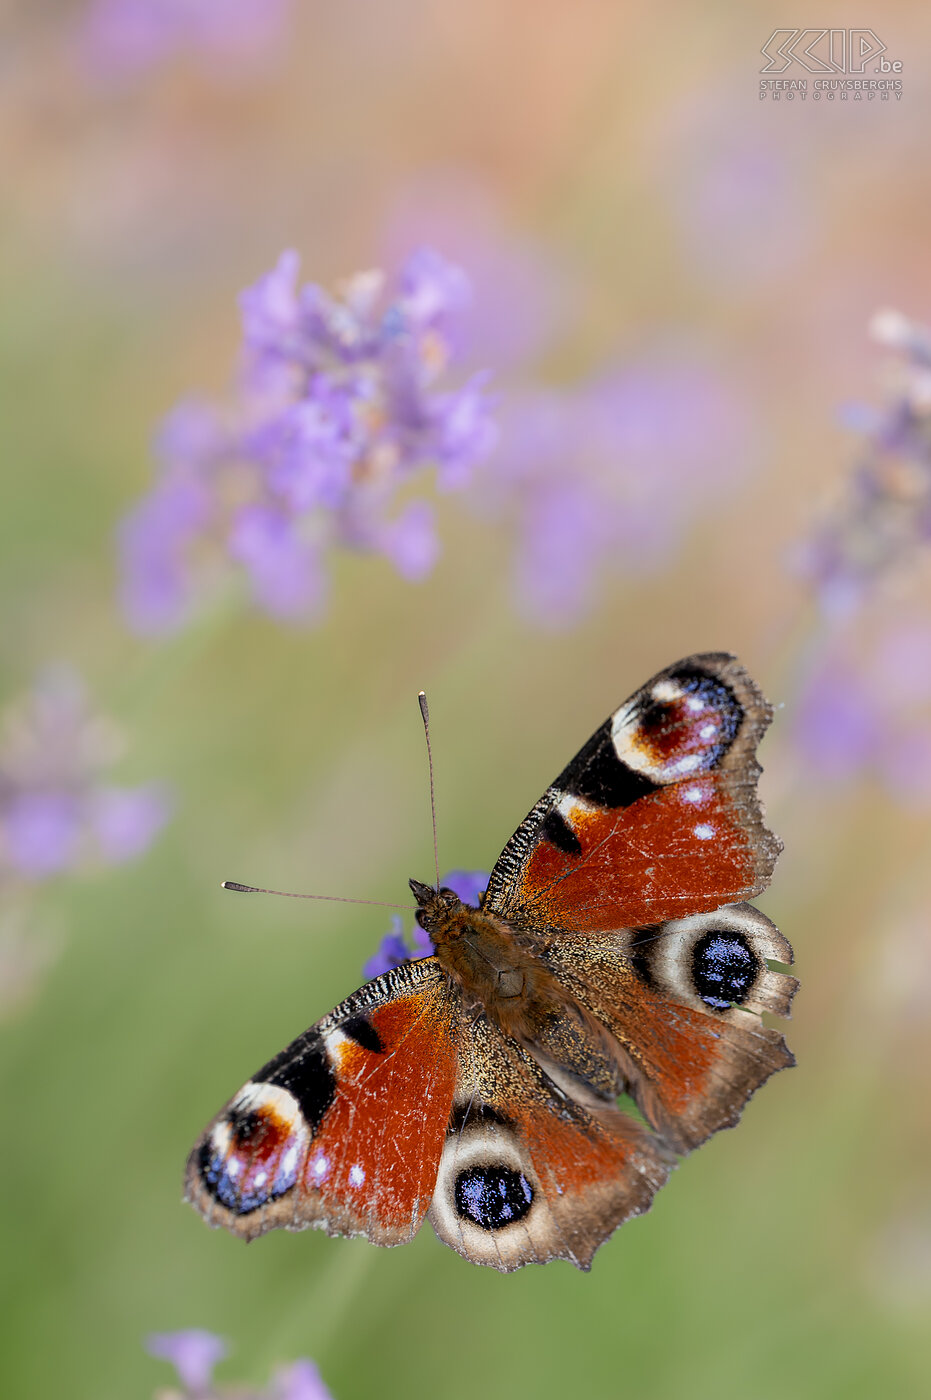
{"x": 612, "y": 954}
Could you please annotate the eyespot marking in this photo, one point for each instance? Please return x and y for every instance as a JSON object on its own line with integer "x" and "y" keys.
{"x": 724, "y": 968}
{"x": 684, "y": 724}
{"x": 251, "y": 1156}
{"x": 493, "y": 1197}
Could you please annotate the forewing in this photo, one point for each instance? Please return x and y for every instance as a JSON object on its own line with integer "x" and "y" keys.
{"x": 656, "y": 818}
{"x": 345, "y": 1128}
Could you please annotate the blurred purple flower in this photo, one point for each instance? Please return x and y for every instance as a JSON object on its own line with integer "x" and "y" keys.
{"x": 392, "y": 951}
{"x": 155, "y": 537}
{"x": 737, "y": 189}
{"x": 284, "y": 571}
{"x": 865, "y": 711}
{"x": 125, "y": 821}
{"x": 340, "y": 405}
{"x": 56, "y": 810}
{"x": 467, "y": 884}
{"x": 608, "y": 476}
{"x": 125, "y": 38}
{"x": 884, "y": 517}
{"x": 194, "y": 1354}
{"x": 525, "y": 293}
{"x": 41, "y": 831}
{"x": 299, "y": 1381}
{"x": 394, "y": 948}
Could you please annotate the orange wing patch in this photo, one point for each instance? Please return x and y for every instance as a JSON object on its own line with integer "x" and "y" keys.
{"x": 682, "y": 849}
{"x": 373, "y": 1164}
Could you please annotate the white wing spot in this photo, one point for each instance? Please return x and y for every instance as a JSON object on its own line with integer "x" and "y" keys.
{"x": 261, "y": 1178}
{"x": 289, "y": 1160}
{"x": 320, "y": 1166}
{"x": 692, "y": 794}
{"x": 667, "y": 691}
{"x": 356, "y": 1175}
{"x": 703, "y": 831}
{"x": 695, "y": 703}
{"x": 708, "y": 731}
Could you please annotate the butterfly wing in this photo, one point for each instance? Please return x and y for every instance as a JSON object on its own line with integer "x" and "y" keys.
{"x": 657, "y": 817}
{"x": 630, "y": 871}
{"x": 530, "y": 1173}
{"x": 345, "y": 1128}
{"x": 684, "y": 1001}
{"x": 395, "y": 1100}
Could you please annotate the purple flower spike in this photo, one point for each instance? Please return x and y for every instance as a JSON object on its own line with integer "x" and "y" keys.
{"x": 883, "y": 520}
{"x": 127, "y": 820}
{"x": 270, "y": 311}
{"x": 41, "y": 831}
{"x": 283, "y": 569}
{"x": 838, "y": 727}
{"x": 394, "y": 949}
{"x": 57, "y": 811}
{"x": 851, "y": 722}
{"x": 467, "y": 884}
{"x": 343, "y": 401}
{"x": 410, "y": 541}
{"x": 300, "y": 1381}
{"x": 606, "y": 477}
{"x": 123, "y": 39}
{"x": 525, "y": 295}
{"x": 193, "y": 1353}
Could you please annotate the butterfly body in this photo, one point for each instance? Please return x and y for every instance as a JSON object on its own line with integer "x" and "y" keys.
{"x": 613, "y": 952}
{"x": 501, "y": 978}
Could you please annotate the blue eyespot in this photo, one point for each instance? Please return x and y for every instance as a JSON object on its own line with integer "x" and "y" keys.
{"x": 492, "y": 1197}
{"x": 724, "y": 968}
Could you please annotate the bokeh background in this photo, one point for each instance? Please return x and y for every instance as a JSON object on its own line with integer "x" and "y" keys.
{"x": 636, "y": 224}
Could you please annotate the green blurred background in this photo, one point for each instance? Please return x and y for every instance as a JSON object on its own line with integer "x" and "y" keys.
{"x": 789, "y": 1258}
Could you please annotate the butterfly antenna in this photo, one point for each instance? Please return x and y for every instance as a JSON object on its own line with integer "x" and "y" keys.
{"x": 425, "y": 715}
{"x": 288, "y": 894}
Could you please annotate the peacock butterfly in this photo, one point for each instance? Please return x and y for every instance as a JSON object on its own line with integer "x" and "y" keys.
{"x": 611, "y": 953}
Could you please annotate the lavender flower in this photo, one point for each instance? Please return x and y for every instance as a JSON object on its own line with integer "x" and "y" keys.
{"x": 525, "y": 293}
{"x": 341, "y": 404}
{"x": 865, "y": 711}
{"x": 884, "y": 518}
{"x": 125, "y": 38}
{"x": 394, "y": 949}
{"x": 299, "y": 1381}
{"x": 606, "y": 477}
{"x": 57, "y": 810}
{"x": 194, "y": 1354}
